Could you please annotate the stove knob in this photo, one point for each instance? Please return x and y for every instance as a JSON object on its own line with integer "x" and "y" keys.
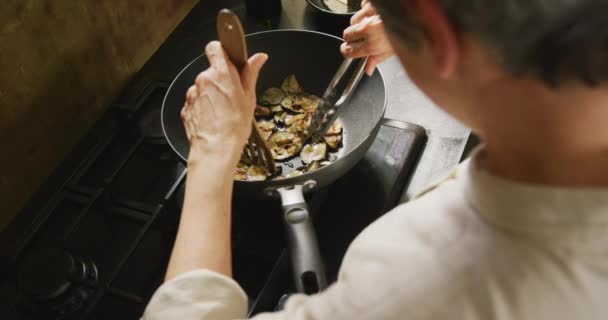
{"x": 53, "y": 283}
{"x": 45, "y": 275}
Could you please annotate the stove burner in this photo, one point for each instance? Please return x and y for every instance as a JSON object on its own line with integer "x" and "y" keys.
{"x": 53, "y": 283}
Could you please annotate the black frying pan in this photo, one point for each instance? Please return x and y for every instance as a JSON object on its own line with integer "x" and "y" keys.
{"x": 314, "y": 58}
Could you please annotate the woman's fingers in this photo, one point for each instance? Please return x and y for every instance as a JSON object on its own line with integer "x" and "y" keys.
{"x": 216, "y": 56}
{"x": 370, "y": 66}
{"x": 374, "y": 61}
{"x": 356, "y": 50}
{"x": 366, "y": 10}
{"x": 249, "y": 75}
{"x": 191, "y": 94}
{"x": 368, "y": 27}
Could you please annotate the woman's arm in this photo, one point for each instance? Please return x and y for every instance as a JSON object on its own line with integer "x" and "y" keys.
{"x": 217, "y": 118}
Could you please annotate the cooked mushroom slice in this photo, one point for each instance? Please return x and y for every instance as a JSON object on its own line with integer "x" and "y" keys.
{"x": 306, "y": 102}
{"x": 257, "y": 173}
{"x": 266, "y": 128}
{"x": 333, "y": 141}
{"x": 314, "y": 152}
{"x": 284, "y": 144}
{"x": 291, "y": 119}
{"x": 272, "y": 96}
{"x": 336, "y": 128}
{"x": 262, "y": 111}
{"x": 290, "y": 85}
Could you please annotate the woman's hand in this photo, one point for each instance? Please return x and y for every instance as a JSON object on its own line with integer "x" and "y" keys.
{"x": 366, "y": 37}
{"x": 219, "y": 107}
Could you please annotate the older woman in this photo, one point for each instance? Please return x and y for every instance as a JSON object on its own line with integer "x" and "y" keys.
{"x": 518, "y": 232}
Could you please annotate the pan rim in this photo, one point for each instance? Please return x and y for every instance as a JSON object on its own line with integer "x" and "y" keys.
{"x": 285, "y": 181}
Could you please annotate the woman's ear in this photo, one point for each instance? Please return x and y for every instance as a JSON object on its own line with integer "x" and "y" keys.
{"x": 441, "y": 35}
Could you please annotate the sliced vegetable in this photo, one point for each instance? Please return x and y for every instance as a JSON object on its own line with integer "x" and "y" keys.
{"x": 306, "y": 102}
{"x": 266, "y": 128}
{"x": 291, "y": 119}
{"x": 284, "y": 144}
{"x": 333, "y": 141}
{"x": 257, "y": 173}
{"x": 288, "y": 103}
{"x": 314, "y": 152}
{"x": 312, "y": 166}
{"x": 272, "y": 96}
{"x": 336, "y": 128}
{"x": 276, "y": 108}
{"x": 290, "y": 85}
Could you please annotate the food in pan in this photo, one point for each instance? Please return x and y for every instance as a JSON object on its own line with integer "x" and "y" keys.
{"x": 284, "y": 115}
{"x": 342, "y": 6}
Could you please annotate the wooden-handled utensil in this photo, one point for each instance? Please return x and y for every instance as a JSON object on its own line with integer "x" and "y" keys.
{"x": 231, "y": 35}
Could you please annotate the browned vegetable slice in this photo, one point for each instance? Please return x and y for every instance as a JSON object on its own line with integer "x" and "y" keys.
{"x": 257, "y": 173}
{"x": 276, "y": 109}
{"x": 290, "y": 119}
{"x": 266, "y": 128}
{"x": 280, "y": 117}
{"x": 272, "y": 96}
{"x": 333, "y": 141}
{"x": 312, "y": 166}
{"x": 313, "y": 152}
{"x": 290, "y": 85}
{"x": 284, "y": 144}
{"x": 306, "y": 103}
{"x": 300, "y": 125}
{"x": 266, "y": 125}
{"x": 288, "y": 103}
{"x": 336, "y": 128}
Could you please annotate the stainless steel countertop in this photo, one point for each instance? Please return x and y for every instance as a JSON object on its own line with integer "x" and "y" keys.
{"x": 447, "y": 137}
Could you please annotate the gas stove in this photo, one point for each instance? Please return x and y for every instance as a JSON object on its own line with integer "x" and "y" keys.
{"x": 98, "y": 245}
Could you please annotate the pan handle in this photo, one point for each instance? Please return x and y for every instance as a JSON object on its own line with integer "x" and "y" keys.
{"x": 309, "y": 274}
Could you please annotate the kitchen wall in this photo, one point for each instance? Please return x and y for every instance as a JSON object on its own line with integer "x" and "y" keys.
{"x": 61, "y": 62}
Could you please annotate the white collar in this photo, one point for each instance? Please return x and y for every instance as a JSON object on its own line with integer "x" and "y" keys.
{"x": 573, "y": 216}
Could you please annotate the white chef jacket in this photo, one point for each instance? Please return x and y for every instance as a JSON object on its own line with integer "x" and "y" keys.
{"x": 475, "y": 246}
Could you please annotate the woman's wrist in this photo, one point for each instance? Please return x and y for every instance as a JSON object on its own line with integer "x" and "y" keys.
{"x": 222, "y": 157}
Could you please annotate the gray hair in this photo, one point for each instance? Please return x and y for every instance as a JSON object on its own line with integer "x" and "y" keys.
{"x": 551, "y": 40}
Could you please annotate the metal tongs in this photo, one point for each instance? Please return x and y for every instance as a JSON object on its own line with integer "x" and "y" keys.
{"x": 329, "y": 108}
